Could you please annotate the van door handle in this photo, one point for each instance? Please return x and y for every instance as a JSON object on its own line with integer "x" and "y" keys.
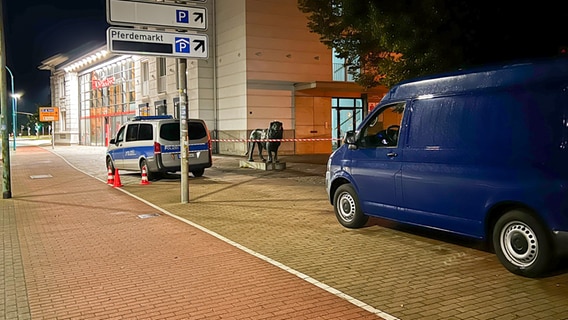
{"x": 392, "y": 154}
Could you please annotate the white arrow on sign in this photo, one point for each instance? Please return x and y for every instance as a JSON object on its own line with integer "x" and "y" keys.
{"x": 130, "y": 13}
{"x": 157, "y": 43}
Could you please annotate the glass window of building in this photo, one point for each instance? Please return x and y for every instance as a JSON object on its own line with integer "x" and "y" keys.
{"x": 145, "y": 78}
{"x": 106, "y": 100}
{"x": 161, "y": 65}
{"x": 341, "y": 70}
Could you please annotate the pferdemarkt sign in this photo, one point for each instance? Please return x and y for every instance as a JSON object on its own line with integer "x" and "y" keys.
{"x": 157, "y": 43}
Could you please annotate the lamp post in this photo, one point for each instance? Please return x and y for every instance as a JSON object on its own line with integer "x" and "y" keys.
{"x": 16, "y": 97}
{"x": 14, "y": 108}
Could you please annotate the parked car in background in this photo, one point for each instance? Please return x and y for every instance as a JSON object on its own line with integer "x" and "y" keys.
{"x": 480, "y": 153}
{"x": 153, "y": 142}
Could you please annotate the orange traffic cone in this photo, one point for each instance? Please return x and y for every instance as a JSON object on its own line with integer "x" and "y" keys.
{"x": 144, "y": 176}
{"x": 117, "y": 183}
{"x": 110, "y": 177}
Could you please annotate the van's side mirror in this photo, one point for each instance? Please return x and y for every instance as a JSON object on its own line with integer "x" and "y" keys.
{"x": 350, "y": 139}
{"x": 111, "y": 141}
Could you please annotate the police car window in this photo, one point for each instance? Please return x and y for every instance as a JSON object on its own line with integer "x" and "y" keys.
{"x": 131, "y": 132}
{"x": 170, "y": 131}
{"x": 196, "y": 130}
{"x": 382, "y": 129}
{"x": 120, "y": 135}
{"x": 145, "y": 132}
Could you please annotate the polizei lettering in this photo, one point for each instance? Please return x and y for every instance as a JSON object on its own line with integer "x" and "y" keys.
{"x": 116, "y": 34}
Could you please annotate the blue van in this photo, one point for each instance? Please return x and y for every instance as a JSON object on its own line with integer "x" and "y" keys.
{"x": 480, "y": 153}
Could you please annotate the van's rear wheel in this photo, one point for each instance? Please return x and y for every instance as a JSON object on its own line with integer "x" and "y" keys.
{"x": 150, "y": 175}
{"x": 522, "y": 244}
{"x": 198, "y": 173}
{"x": 347, "y": 208}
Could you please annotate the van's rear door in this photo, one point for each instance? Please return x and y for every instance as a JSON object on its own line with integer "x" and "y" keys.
{"x": 169, "y": 139}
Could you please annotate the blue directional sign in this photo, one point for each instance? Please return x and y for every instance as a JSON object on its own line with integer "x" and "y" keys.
{"x": 183, "y": 45}
{"x": 179, "y": 16}
{"x": 157, "y": 43}
{"x": 182, "y": 16}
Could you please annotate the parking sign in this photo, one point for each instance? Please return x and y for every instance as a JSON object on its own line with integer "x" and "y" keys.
{"x": 179, "y": 16}
{"x": 160, "y": 43}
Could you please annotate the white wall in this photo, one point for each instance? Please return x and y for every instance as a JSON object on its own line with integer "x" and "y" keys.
{"x": 73, "y": 112}
{"x": 280, "y": 51}
{"x": 230, "y": 33}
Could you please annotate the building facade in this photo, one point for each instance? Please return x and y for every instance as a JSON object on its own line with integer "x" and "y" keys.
{"x": 263, "y": 65}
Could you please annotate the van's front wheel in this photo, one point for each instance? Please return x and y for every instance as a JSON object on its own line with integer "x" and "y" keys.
{"x": 347, "y": 208}
{"x": 522, "y": 244}
{"x": 110, "y": 165}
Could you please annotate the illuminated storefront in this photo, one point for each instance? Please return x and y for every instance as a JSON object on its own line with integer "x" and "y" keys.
{"x": 107, "y": 99}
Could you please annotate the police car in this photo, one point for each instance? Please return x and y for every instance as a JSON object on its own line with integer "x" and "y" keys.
{"x": 153, "y": 142}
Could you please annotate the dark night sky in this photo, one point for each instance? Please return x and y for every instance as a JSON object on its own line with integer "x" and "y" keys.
{"x": 39, "y": 29}
{"x": 35, "y": 30}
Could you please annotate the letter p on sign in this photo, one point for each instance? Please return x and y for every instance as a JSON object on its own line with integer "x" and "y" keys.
{"x": 182, "y": 16}
{"x": 182, "y": 45}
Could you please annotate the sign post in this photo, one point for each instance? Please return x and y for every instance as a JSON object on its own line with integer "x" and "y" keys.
{"x": 184, "y": 130}
{"x": 181, "y": 45}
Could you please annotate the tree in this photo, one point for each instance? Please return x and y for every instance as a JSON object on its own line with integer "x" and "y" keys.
{"x": 32, "y": 120}
{"x": 389, "y": 41}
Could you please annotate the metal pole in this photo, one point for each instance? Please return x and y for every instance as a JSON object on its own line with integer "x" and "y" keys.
{"x": 183, "y": 124}
{"x": 14, "y": 107}
{"x": 6, "y": 173}
{"x": 184, "y": 140}
{"x": 52, "y": 134}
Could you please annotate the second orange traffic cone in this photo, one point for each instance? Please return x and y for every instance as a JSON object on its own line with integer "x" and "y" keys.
{"x": 117, "y": 182}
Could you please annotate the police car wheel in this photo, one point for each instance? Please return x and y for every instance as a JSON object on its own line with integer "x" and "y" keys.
{"x": 110, "y": 165}
{"x": 198, "y": 173}
{"x": 150, "y": 175}
{"x": 347, "y": 208}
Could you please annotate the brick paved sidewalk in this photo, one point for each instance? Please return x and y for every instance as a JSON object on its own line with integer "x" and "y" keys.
{"x": 75, "y": 248}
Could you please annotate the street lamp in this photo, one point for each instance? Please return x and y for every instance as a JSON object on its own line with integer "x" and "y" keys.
{"x": 15, "y": 97}
{"x": 14, "y": 107}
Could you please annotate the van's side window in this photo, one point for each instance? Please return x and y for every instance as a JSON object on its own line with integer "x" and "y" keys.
{"x": 145, "y": 132}
{"x": 132, "y": 132}
{"x": 383, "y": 128}
{"x": 170, "y": 132}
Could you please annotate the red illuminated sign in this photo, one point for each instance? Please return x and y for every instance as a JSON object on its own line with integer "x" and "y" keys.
{"x": 99, "y": 84}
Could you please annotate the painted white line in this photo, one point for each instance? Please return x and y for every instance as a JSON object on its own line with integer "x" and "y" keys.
{"x": 300, "y": 275}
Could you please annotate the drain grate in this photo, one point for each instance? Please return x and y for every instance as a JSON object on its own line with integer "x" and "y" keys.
{"x": 41, "y": 176}
{"x": 148, "y": 215}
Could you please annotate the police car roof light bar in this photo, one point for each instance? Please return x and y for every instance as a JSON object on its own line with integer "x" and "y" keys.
{"x": 140, "y": 118}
